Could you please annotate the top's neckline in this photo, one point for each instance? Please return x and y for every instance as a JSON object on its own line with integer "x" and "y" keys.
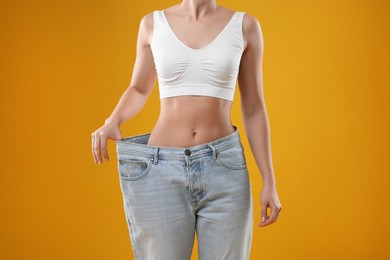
{"x": 206, "y": 46}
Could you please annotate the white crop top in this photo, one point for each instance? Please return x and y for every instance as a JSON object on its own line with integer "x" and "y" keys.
{"x": 209, "y": 71}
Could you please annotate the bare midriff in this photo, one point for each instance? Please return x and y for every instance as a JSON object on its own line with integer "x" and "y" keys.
{"x": 186, "y": 121}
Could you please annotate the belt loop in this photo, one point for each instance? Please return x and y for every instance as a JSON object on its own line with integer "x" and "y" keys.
{"x": 155, "y": 157}
{"x": 214, "y": 151}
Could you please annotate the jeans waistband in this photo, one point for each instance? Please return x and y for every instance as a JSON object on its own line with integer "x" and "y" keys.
{"x": 137, "y": 146}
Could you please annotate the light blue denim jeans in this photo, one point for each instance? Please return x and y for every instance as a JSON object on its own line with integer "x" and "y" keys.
{"x": 169, "y": 193}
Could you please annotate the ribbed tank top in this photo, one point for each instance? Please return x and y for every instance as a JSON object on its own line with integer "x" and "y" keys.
{"x": 209, "y": 71}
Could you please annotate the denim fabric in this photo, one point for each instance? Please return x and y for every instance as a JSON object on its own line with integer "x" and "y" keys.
{"x": 169, "y": 193}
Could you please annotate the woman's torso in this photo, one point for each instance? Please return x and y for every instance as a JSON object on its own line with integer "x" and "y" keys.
{"x": 191, "y": 120}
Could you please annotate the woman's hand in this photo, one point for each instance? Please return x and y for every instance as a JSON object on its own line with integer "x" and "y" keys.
{"x": 269, "y": 198}
{"x": 99, "y": 140}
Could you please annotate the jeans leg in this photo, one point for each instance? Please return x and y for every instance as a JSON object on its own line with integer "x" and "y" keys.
{"x": 159, "y": 217}
{"x": 224, "y": 224}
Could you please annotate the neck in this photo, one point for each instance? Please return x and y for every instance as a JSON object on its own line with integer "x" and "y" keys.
{"x": 198, "y": 8}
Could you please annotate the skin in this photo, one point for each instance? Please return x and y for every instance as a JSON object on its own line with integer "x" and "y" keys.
{"x": 182, "y": 121}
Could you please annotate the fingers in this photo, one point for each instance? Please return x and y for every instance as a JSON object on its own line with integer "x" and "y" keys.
{"x": 99, "y": 141}
{"x": 273, "y": 216}
{"x": 97, "y": 149}
{"x": 263, "y": 214}
{"x": 279, "y": 208}
{"x": 277, "y": 215}
{"x": 265, "y": 220}
{"x": 93, "y": 147}
{"x": 104, "y": 148}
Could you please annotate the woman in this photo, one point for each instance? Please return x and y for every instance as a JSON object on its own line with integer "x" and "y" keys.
{"x": 190, "y": 172}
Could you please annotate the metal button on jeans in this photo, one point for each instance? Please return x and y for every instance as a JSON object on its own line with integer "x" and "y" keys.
{"x": 187, "y": 152}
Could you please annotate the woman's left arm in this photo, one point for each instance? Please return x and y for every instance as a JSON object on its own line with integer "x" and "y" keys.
{"x": 254, "y": 114}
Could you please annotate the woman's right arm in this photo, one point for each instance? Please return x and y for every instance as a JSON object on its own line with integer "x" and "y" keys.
{"x": 135, "y": 96}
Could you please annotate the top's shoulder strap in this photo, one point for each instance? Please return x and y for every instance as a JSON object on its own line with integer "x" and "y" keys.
{"x": 241, "y": 16}
{"x": 156, "y": 19}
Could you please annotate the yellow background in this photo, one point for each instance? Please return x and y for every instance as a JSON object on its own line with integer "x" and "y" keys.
{"x": 65, "y": 64}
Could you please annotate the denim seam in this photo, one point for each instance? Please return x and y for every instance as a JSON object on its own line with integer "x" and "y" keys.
{"x": 138, "y": 177}
{"x": 123, "y": 152}
{"x": 232, "y": 167}
{"x": 133, "y": 241}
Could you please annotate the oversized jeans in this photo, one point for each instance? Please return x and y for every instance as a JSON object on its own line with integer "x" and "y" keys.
{"x": 170, "y": 192}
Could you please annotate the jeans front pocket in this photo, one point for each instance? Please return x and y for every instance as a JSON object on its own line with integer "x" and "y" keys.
{"x": 232, "y": 158}
{"x": 133, "y": 169}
